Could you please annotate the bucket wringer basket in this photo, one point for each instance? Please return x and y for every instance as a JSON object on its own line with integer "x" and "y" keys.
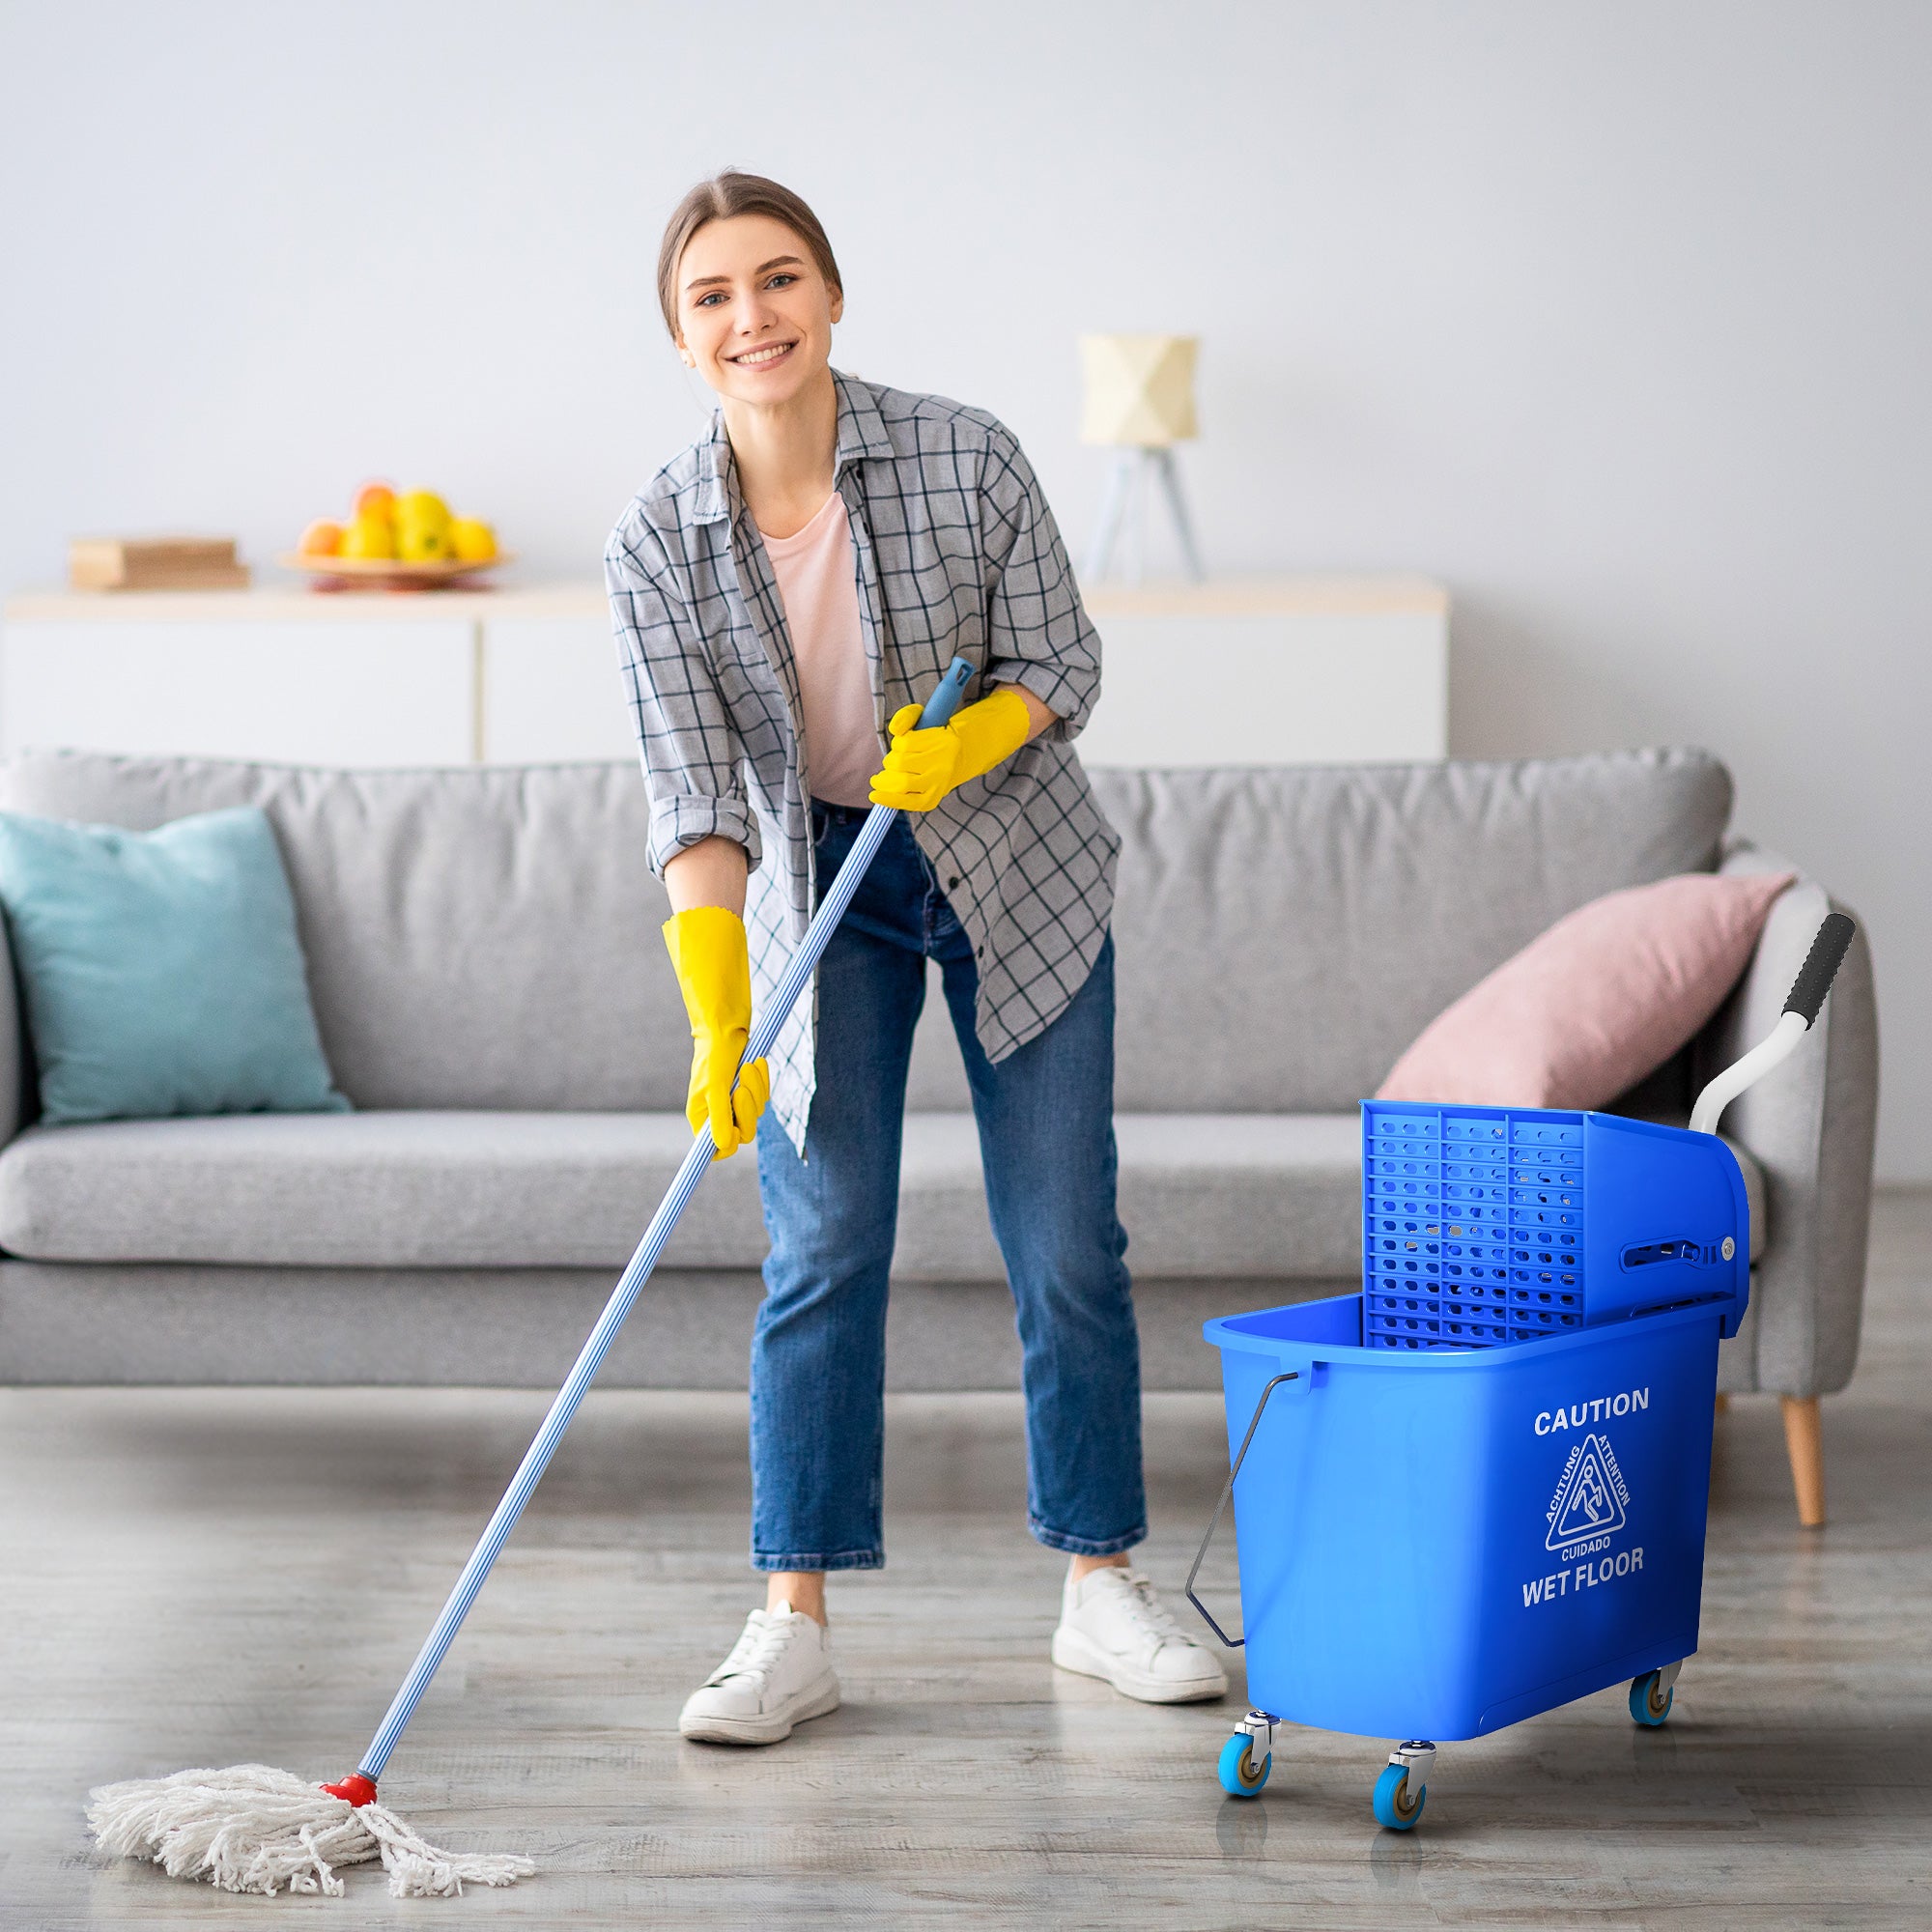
{"x": 1476, "y": 1489}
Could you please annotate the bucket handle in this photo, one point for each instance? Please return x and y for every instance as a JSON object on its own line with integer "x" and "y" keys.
{"x": 1801, "y": 1011}
{"x": 1215, "y": 1522}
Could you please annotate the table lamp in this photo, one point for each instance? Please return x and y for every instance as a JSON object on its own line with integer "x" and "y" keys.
{"x": 1139, "y": 399}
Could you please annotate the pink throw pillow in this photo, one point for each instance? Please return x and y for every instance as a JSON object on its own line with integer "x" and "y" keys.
{"x": 1587, "y": 1009}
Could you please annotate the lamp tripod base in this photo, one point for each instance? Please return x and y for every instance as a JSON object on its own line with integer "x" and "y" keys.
{"x": 1136, "y": 473}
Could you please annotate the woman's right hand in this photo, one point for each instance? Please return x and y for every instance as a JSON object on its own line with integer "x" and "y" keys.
{"x": 922, "y": 763}
{"x": 708, "y": 951}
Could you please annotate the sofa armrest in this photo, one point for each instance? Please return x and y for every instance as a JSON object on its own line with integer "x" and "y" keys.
{"x": 1810, "y": 1127}
{"x": 14, "y": 1056}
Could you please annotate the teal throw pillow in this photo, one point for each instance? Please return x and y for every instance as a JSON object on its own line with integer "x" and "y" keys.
{"x": 161, "y": 970}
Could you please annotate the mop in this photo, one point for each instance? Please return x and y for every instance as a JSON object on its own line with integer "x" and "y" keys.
{"x": 249, "y": 1827}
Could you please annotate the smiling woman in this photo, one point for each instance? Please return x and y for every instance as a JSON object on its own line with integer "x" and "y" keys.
{"x": 719, "y": 199}
{"x": 750, "y": 297}
{"x": 785, "y": 593}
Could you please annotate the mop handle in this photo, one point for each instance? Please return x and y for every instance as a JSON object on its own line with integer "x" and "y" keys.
{"x": 938, "y": 707}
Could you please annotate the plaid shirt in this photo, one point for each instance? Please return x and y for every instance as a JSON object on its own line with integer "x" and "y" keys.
{"x": 956, "y": 554}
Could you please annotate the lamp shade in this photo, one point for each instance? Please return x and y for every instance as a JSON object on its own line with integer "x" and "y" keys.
{"x": 1139, "y": 389}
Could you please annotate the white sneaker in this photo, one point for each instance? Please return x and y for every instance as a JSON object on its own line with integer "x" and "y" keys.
{"x": 1113, "y": 1626}
{"x": 778, "y": 1674}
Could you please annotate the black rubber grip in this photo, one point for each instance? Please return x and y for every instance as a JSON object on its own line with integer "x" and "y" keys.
{"x": 1821, "y": 967}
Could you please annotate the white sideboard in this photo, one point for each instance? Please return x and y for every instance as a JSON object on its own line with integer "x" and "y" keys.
{"x": 1271, "y": 670}
{"x": 1243, "y": 671}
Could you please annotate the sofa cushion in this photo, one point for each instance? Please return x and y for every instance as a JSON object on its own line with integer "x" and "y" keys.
{"x": 160, "y": 970}
{"x": 1244, "y": 1196}
{"x": 1598, "y": 1003}
{"x": 1240, "y": 1196}
{"x": 405, "y": 1189}
{"x": 476, "y": 937}
{"x": 1282, "y": 934}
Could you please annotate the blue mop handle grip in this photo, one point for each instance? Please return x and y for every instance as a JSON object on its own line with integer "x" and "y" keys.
{"x": 938, "y": 707}
{"x": 946, "y": 695}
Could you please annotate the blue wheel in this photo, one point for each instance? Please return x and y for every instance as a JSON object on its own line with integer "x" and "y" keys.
{"x": 1240, "y": 1779}
{"x": 1647, "y": 1707}
{"x": 1396, "y": 1805}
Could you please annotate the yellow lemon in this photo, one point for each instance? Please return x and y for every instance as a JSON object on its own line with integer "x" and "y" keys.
{"x": 368, "y": 536}
{"x": 472, "y": 541}
{"x": 422, "y": 526}
{"x": 422, "y": 506}
{"x": 422, "y": 542}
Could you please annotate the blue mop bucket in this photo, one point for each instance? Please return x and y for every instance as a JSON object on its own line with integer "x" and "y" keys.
{"x": 1435, "y": 1545}
{"x": 1476, "y": 1489}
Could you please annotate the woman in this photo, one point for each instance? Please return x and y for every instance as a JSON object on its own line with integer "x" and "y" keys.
{"x": 799, "y": 576}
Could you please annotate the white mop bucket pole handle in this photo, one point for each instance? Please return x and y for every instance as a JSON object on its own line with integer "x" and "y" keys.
{"x": 1801, "y": 1009}
{"x": 938, "y": 707}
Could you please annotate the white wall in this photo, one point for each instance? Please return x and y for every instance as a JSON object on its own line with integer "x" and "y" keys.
{"x": 1616, "y": 316}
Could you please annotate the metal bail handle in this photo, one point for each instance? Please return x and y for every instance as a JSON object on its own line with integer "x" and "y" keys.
{"x": 1215, "y": 1522}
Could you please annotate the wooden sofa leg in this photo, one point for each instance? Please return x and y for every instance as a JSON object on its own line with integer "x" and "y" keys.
{"x": 1804, "y": 1440}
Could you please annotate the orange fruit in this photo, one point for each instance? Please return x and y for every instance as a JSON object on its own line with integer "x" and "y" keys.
{"x": 322, "y": 538}
{"x": 376, "y": 499}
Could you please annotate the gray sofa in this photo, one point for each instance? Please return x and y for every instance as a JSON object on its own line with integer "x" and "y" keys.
{"x": 495, "y": 999}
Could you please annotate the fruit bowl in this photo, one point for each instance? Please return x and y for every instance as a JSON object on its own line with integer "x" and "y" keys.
{"x": 386, "y": 573}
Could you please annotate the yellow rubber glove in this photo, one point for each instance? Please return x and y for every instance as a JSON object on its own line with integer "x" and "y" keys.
{"x": 714, "y": 972}
{"x": 923, "y": 766}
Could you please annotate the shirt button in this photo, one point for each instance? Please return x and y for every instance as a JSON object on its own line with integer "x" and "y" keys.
{"x": 951, "y": 882}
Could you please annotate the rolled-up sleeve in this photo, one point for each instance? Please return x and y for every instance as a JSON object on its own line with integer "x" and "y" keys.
{"x": 692, "y": 760}
{"x": 1039, "y": 634}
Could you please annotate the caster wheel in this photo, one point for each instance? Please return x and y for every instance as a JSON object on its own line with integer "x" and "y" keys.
{"x": 1240, "y": 1777}
{"x": 1396, "y": 1805}
{"x": 1647, "y": 1707}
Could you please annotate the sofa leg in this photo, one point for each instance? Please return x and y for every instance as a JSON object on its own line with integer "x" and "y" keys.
{"x": 1804, "y": 1440}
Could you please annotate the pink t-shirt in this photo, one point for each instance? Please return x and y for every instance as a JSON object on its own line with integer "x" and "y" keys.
{"x": 819, "y": 585}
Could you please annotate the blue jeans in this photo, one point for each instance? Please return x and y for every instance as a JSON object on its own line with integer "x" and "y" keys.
{"x": 1046, "y": 1140}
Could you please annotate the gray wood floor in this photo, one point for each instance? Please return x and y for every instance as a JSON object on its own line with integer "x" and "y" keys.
{"x": 198, "y": 1578}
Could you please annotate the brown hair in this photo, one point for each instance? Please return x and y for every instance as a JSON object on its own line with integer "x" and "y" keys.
{"x": 720, "y": 198}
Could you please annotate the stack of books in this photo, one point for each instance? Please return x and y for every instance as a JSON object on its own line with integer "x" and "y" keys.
{"x": 155, "y": 563}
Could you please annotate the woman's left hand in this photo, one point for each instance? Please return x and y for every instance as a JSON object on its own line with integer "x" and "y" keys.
{"x": 923, "y": 766}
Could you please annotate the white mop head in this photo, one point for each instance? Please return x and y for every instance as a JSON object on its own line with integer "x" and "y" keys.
{"x": 252, "y": 1829}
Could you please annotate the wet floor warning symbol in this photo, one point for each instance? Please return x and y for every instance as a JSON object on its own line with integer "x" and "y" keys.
{"x": 1591, "y": 1499}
